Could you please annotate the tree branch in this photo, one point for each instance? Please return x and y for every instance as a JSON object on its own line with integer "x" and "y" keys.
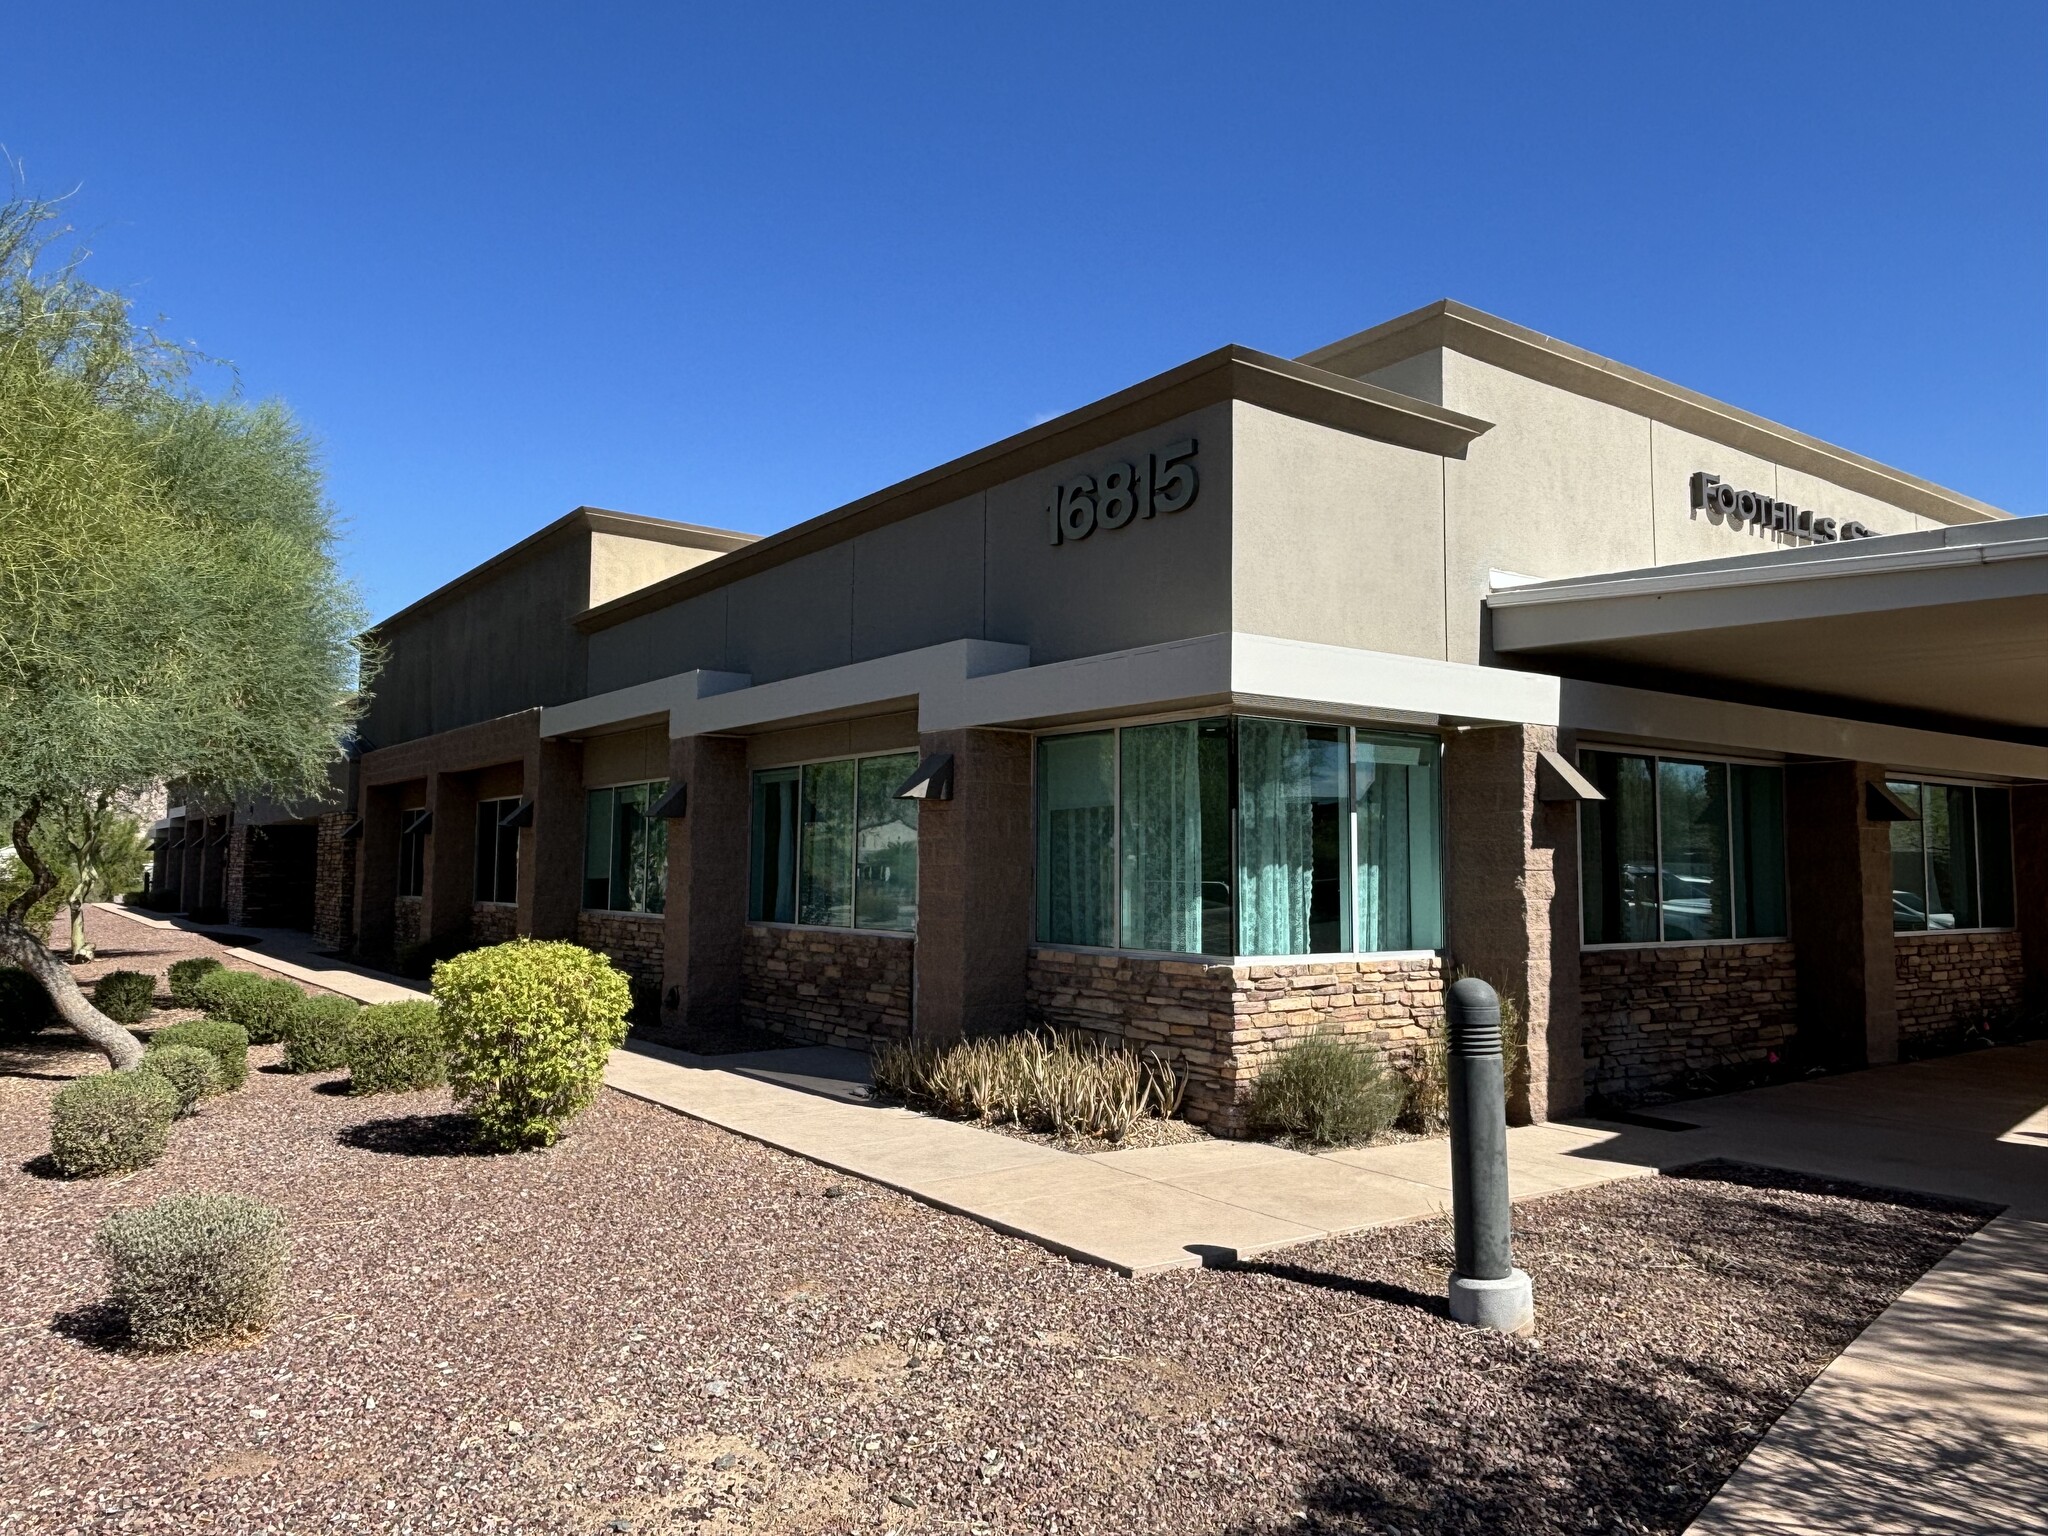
{"x": 43, "y": 878}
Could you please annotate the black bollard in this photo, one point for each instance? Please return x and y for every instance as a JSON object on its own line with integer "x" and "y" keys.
{"x": 1487, "y": 1290}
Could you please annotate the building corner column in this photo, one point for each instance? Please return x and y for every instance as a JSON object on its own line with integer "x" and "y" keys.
{"x": 550, "y": 877}
{"x": 1839, "y": 889}
{"x": 451, "y": 860}
{"x": 974, "y": 888}
{"x": 1511, "y": 883}
{"x": 704, "y": 917}
{"x": 376, "y": 904}
{"x": 2030, "y": 893}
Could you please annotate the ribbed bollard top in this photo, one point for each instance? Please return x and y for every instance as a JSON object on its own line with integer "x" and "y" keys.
{"x": 1472, "y": 1012}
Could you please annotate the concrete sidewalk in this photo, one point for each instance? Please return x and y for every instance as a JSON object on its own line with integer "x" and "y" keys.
{"x": 1136, "y": 1211}
{"x": 287, "y": 952}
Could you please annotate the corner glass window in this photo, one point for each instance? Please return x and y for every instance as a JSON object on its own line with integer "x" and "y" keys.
{"x": 625, "y": 850}
{"x": 497, "y": 852}
{"x": 1077, "y": 839}
{"x": 1239, "y": 836}
{"x": 1682, "y": 850}
{"x": 412, "y": 852}
{"x": 1952, "y": 868}
{"x": 831, "y": 846}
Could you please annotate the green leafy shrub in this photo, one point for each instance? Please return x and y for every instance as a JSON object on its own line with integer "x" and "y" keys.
{"x": 263, "y": 1005}
{"x": 1069, "y": 1085}
{"x": 25, "y": 1006}
{"x": 529, "y": 1026}
{"x": 227, "y": 1043}
{"x": 193, "y": 1073}
{"x": 195, "y": 1268}
{"x": 1327, "y": 1092}
{"x": 185, "y": 976}
{"x": 211, "y": 989}
{"x": 111, "y": 1123}
{"x": 318, "y": 1041}
{"x": 396, "y": 1048}
{"x": 126, "y": 997}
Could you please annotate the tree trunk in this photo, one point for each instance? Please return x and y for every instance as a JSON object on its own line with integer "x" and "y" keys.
{"x": 81, "y": 946}
{"x": 20, "y": 947}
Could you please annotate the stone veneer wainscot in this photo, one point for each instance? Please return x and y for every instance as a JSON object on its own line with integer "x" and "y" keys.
{"x": 1222, "y": 1022}
{"x": 493, "y": 922}
{"x": 1949, "y": 981}
{"x": 1656, "y": 1015}
{"x": 828, "y": 985}
{"x": 334, "y": 881}
{"x": 405, "y": 923}
{"x": 632, "y": 939}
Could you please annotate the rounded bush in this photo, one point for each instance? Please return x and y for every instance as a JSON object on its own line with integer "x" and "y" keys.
{"x": 25, "y": 1006}
{"x": 263, "y": 1005}
{"x": 396, "y": 1048}
{"x": 126, "y": 997}
{"x": 227, "y": 1043}
{"x": 1327, "y": 1092}
{"x": 184, "y": 978}
{"x": 529, "y": 1026}
{"x": 195, "y": 1268}
{"x": 212, "y": 989}
{"x": 111, "y": 1123}
{"x": 318, "y": 1041}
{"x": 193, "y": 1073}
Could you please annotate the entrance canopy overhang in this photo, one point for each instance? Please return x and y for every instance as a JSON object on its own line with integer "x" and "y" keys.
{"x": 1946, "y": 628}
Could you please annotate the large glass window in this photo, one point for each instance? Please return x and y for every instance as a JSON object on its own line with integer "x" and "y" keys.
{"x": 1681, "y": 850}
{"x": 1077, "y": 839}
{"x": 412, "y": 852}
{"x": 833, "y": 847}
{"x": 497, "y": 852}
{"x": 1239, "y": 836}
{"x": 1400, "y": 886}
{"x": 625, "y": 850}
{"x": 1952, "y": 868}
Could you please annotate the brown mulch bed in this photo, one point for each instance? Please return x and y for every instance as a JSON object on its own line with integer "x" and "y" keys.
{"x": 659, "y": 1327}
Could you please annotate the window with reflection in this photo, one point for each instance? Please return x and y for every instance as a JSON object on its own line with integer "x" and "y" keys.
{"x": 831, "y": 846}
{"x": 1952, "y": 864}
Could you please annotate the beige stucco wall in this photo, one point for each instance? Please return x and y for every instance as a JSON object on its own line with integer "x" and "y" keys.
{"x": 838, "y": 738}
{"x": 626, "y": 757}
{"x": 619, "y": 564}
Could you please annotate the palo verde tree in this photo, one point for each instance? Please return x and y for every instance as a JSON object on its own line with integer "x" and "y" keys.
{"x": 170, "y": 606}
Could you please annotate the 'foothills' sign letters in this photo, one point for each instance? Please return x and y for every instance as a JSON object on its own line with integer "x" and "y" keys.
{"x": 1711, "y": 493}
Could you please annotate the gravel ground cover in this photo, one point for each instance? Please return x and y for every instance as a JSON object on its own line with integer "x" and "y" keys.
{"x": 659, "y": 1327}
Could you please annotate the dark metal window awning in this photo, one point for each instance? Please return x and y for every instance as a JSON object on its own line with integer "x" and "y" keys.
{"x": 1880, "y": 804}
{"x": 352, "y": 831}
{"x": 674, "y": 801}
{"x": 521, "y": 815}
{"x": 933, "y": 779}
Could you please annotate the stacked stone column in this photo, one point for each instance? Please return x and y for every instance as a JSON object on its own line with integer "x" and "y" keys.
{"x": 1511, "y": 884}
{"x": 704, "y": 919}
{"x": 974, "y": 888}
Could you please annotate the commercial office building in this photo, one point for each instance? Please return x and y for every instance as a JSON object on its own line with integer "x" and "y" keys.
{"x": 1254, "y": 699}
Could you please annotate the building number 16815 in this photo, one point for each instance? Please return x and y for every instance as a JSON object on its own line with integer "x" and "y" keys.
{"x": 1122, "y": 493}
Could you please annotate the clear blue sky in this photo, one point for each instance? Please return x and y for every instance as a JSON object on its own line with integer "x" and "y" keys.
{"x": 739, "y": 265}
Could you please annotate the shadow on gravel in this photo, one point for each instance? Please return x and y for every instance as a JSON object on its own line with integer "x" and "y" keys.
{"x": 334, "y": 1088}
{"x": 43, "y": 1167}
{"x": 1753, "y": 1176}
{"x": 416, "y": 1136}
{"x": 96, "y": 1325}
{"x": 1350, "y": 1285}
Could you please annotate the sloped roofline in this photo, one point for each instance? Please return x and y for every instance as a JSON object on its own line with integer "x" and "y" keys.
{"x": 1475, "y": 333}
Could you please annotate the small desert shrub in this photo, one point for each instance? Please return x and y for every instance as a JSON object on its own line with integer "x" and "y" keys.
{"x": 318, "y": 1041}
{"x": 193, "y": 1268}
{"x": 185, "y": 976}
{"x": 265, "y": 1006}
{"x": 529, "y": 1026}
{"x": 192, "y": 1072}
{"x": 25, "y": 1006}
{"x": 212, "y": 989}
{"x": 1325, "y": 1091}
{"x": 227, "y": 1043}
{"x": 1068, "y": 1085}
{"x": 111, "y": 1123}
{"x": 1427, "y": 1074}
{"x": 396, "y": 1048}
{"x": 125, "y": 996}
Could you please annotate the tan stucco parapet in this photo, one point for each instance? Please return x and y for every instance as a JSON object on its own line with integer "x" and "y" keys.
{"x": 1474, "y": 333}
{"x": 654, "y": 530}
{"x": 1228, "y": 373}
